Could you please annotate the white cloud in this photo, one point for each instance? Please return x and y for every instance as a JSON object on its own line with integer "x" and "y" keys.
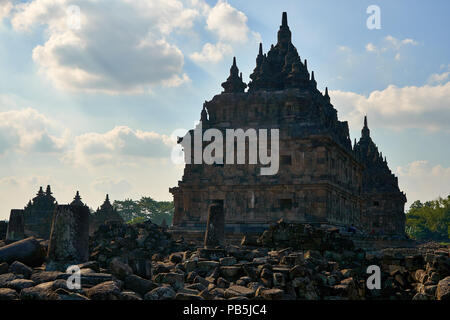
{"x": 126, "y": 46}
{"x": 228, "y": 23}
{"x": 425, "y": 107}
{"x": 118, "y": 187}
{"x": 390, "y": 43}
{"x": 27, "y": 130}
{"x": 230, "y": 27}
{"x": 440, "y": 77}
{"x": 121, "y": 47}
{"x": 212, "y": 52}
{"x": 5, "y": 9}
{"x": 118, "y": 146}
{"x": 397, "y": 44}
{"x": 344, "y": 49}
{"x": 424, "y": 182}
{"x": 370, "y": 47}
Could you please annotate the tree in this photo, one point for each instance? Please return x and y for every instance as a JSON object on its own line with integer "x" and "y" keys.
{"x": 128, "y": 209}
{"x": 144, "y": 209}
{"x": 157, "y": 211}
{"x": 430, "y": 220}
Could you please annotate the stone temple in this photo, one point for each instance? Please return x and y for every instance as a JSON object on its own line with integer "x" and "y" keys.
{"x": 37, "y": 216}
{"x": 322, "y": 179}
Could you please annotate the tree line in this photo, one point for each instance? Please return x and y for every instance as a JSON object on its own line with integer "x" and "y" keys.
{"x": 134, "y": 211}
{"x": 429, "y": 220}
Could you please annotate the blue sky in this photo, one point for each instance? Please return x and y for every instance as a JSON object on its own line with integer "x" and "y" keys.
{"x": 92, "y": 108}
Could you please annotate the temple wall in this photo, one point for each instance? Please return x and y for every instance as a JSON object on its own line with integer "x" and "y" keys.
{"x": 318, "y": 184}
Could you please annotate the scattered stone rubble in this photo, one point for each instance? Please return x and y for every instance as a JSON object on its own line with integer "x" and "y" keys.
{"x": 142, "y": 262}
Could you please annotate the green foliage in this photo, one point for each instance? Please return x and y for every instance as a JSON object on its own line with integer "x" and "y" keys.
{"x": 137, "y": 220}
{"x": 429, "y": 220}
{"x": 135, "y": 211}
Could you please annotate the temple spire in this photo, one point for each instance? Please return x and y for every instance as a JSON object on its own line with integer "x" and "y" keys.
{"x": 204, "y": 114}
{"x": 365, "y": 132}
{"x": 284, "y": 22}
{"x": 77, "y": 200}
{"x": 48, "y": 192}
{"x": 313, "y": 80}
{"x": 326, "y": 95}
{"x": 234, "y": 82}
{"x": 284, "y": 34}
{"x": 260, "y": 49}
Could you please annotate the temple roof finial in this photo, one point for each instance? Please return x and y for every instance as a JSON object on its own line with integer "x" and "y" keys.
{"x": 234, "y": 82}
{"x": 48, "y": 191}
{"x": 284, "y": 22}
{"x": 365, "y": 132}
{"x": 313, "y": 80}
{"x": 326, "y": 95}
{"x": 284, "y": 34}
{"x": 260, "y": 49}
{"x": 77, "y": 200}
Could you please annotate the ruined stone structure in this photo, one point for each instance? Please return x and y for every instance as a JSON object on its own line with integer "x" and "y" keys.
{"x": 69, "y": 238}
{"x": 320, "y": 177}
{"x": 38, "y": 214}
{"x": 215, "y": 227}
{"x": 3, "y": 229}
{"x": 383, "y": 202}
{"x": 105, "y": 213}
{"x": 16, "y": 226}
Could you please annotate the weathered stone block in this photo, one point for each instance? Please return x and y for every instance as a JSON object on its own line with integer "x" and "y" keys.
{"x": 69, "y": 238}
{"x": 16, "y": 226}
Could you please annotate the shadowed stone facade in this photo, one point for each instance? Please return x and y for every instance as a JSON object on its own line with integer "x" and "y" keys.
{"x": 320, "y": 178}
{"x": 383, "y": 202}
